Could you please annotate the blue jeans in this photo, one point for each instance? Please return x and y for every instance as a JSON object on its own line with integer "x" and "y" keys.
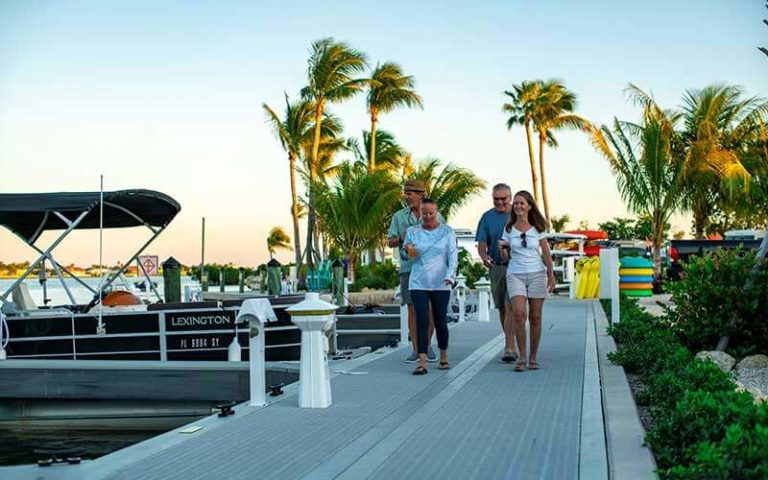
{"x": 421, "y": 302}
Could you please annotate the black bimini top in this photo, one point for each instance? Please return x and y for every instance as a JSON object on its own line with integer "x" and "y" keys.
{"x": 28, "y": 215}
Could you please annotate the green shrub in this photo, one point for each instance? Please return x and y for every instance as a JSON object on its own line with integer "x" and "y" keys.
{"x": 473, "y": 271}
{"x": 636, "y": 324}
{"x": 665, "y": 388}
{"x": 742, "y": 454}
{"x": 701, "y": 416}
{"x": 646, "y": 344}
{"x": 658, "y": 351}
{"x": 377, "y": 276}
{"x": 711, "y": 300}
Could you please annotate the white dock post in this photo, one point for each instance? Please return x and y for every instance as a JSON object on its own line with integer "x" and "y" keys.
{"x": 609, "y": 279}
{"x": 257, "y": 312}
{"x": 403, "y": 324}
{"x": 314, "y": 316}
{"x": 461, "y": 295}
{"x": 403, "y": 319}
{"x": 569, "y": 270}
{"x": 345, "y": 301}
{"x": 483, "y": 300}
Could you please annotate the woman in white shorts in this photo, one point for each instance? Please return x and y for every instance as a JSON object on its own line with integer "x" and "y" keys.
{"x": 529, "y": 278}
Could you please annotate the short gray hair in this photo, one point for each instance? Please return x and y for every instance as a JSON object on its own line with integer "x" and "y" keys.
{"x": 502, "y": 186}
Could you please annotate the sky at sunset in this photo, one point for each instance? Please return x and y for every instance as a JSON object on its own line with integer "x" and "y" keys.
{"x": 167, "y": 96}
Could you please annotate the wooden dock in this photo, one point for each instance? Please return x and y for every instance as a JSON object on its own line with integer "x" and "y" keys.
{"x": 477, "y": 420}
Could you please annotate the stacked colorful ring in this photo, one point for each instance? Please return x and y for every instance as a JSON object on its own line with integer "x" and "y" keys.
{"x": 636, "y": 277}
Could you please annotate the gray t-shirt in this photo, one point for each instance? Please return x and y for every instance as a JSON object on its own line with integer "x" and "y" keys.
{"x": 489, "y": 230}
{"x": 401, "y": 220}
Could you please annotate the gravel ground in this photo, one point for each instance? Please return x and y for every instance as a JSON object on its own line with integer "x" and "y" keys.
{"x": 643, "y": 411}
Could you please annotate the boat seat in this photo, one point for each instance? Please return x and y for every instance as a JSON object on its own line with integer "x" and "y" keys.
{"x": 21, "y": 297}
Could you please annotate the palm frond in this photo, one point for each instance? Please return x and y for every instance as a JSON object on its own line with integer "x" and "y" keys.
{"x": 391, "y": 88}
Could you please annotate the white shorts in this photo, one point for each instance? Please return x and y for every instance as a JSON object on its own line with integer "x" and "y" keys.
{"x": 529, "y": 285}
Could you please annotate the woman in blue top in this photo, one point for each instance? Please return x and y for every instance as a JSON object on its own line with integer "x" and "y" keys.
{"x": 432, "y": 245}
{"x": 529, "y": 275}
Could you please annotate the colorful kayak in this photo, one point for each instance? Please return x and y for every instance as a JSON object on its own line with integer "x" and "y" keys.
{"x": 635, "y": 262}
{"x": 635, "y": 271}
{"x": 637, "y": 279}
{"x": 635, "y": 286}
{"x": 590, "y": 234}
{"x": 637, "y": 293}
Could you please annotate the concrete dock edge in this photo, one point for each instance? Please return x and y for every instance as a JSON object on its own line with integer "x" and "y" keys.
{"x": 628, "y": 456}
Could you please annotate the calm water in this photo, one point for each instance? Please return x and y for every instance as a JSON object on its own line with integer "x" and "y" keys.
{"x": 17, "y": 447}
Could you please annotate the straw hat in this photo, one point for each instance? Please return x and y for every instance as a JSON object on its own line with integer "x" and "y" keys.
{"x": 414, "y": 186}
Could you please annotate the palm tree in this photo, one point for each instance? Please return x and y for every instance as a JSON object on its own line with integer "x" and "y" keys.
{"x": 292, "y": 130}
{"x": 559, "y": 223}
{"x": 388, "y": 152}
{"x": 390, "y": 156}
{"x": 719, "y": 125}
{"x": 277, "y": 239}
{"x": 352, "y": 208}
{"x": 646, "y": 159}
{"x": 331, "y": 143}
{"x": 332, "y": 66}
{"x": 524, "y": 97}
{"x": 388, "y": 89}
{"x": 451, "y": 187}
{"x": 552, "y": 112}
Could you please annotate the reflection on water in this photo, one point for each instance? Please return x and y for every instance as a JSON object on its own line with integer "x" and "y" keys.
{"x": 17, "y": 447}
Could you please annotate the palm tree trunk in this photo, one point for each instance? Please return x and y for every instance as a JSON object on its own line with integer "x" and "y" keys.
{"x": 372, "y": 155}
{"x": 351, "y": 263}
{"x": 699, "y": 224}
{"x": 534, "y": 180}
{"x": 657, "y": 221}
{"x": 312, "y": 175}
{"x": 295, "y": 211}
{"x": 317, "y": 246}
{"x": 371, "y": 168}
{"x": 544, "y": 196}
{"x": 701, "y": 210}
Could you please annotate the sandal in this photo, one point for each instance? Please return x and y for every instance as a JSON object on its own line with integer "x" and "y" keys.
{"x": 509, "y": 357}
{"x": 443, "y": 366}
{"x": 533, "y": 365}
{"x": 420, "y": 371}
{"x": 521, "y": 366}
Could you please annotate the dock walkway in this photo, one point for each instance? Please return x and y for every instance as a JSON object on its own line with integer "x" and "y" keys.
{"x": 477, "y": 420}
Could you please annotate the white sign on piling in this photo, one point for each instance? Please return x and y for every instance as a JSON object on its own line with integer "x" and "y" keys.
{"x": 151, "y": 264}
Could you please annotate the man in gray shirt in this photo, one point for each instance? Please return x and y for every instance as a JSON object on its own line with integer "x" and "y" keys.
{"x": 406, "y": 217}
{"x": 489, "y": 231}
